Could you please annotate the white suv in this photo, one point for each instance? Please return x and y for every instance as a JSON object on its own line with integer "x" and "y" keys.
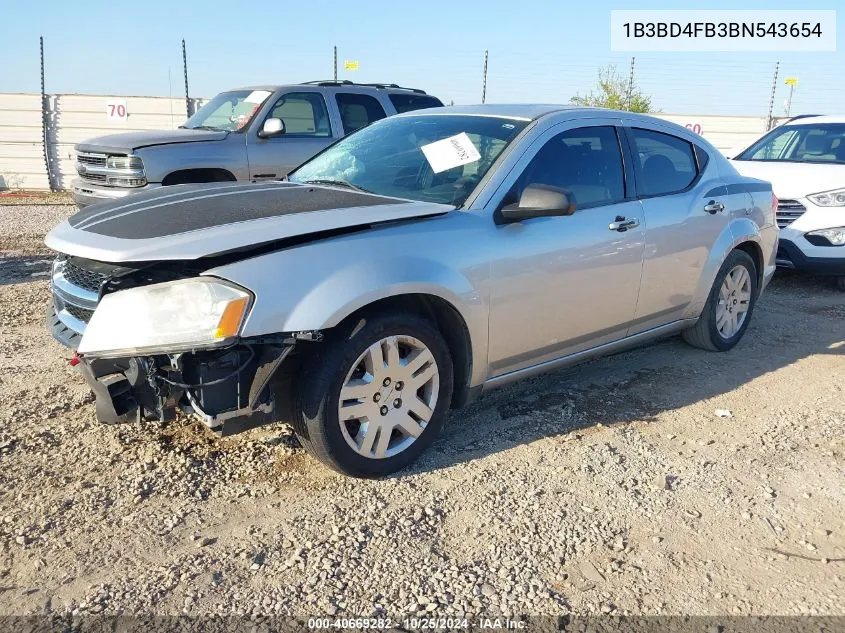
{"x": 804, "y": 159}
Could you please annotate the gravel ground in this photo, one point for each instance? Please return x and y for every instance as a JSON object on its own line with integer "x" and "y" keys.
{"x": 665, "y": 480}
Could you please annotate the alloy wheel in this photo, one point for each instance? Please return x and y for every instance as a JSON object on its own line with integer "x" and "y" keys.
{"x": 388, "y": 397}
{"x": 734, "y": 301}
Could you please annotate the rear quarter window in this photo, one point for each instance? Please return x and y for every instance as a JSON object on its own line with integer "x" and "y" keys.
{"x": 664, "y": 163}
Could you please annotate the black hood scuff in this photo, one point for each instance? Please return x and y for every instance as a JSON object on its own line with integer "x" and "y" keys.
{"x": 212, "y": 206}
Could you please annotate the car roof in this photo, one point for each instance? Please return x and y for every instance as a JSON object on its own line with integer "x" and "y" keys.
{"x": 817, "y": 119}
{"x": 525, "y": 111}
{"x": 339, "y": 85}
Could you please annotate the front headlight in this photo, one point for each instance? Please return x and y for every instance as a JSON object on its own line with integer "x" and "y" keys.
{"x": 836, "y": 236}
{"x": 834, "y": 198}
{"x": 125, "y": 162}
{"x": 182, "y": 315}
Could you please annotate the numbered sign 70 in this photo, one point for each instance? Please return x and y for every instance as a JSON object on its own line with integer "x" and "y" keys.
{"x": 116, "y": 110}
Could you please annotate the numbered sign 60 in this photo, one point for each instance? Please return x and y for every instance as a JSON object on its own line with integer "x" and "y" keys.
{"x": 116, "y": 110}
{"x": 695, "y": 127}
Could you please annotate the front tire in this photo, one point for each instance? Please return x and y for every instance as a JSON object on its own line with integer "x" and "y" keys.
{"x": 729, "y": 305}
{"x": 374, "y": 397}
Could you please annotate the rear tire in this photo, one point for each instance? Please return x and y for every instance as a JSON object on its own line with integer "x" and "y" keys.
{"x": 723, "y": 323}
{"x": 390, "y": 414}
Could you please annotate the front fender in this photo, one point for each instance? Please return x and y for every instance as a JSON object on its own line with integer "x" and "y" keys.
{"x": 738, "y": 231}
{"x": 313, "y": 288}
{"x": 162, "y": 160}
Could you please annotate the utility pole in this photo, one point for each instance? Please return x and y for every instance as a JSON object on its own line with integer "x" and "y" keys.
{"x": 791, "y": 82}
{"x": 769, "y": 120}
{"x": 630, "y": 87}
{"x": 188, "y": 107}
{"x": 335, "y": 63}
{"x": 484, "y": 84}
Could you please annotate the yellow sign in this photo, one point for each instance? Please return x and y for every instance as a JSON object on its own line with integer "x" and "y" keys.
{"x": 791, "y": 81}
{"x": 350, "y": 65}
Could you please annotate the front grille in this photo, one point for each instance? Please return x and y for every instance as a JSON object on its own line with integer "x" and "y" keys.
{"x": 79, "y": 313}
{"x": 788, "y": 212}
{"x": 93, "y": 177}
{"x": 87, "y": 279}
{"x": 91, "y": 159}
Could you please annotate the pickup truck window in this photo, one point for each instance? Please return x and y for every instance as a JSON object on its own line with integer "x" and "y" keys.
{"x": 413, "y": 101}
{"x": 389, "y": 158}
{"x": 357, "y": 110}
{"x": 303, "y": 113}
{"x": 229, "y": 111}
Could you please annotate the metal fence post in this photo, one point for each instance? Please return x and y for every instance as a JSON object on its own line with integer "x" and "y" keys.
{"x": 770, "y": 119}
{"x": 484, "y": 84}
{"x": 188, "y": 107}
{"x": 45, "y": 123}
{"x": 630, "y": 87}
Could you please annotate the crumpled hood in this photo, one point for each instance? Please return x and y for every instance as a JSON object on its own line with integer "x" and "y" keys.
{"x": 187, "y": 222}
{"x": 794, "y": 180}
{"x": 128, "y": 141}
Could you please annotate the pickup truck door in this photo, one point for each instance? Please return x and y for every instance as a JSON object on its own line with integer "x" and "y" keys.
{"x": 686, "y": 206}
{"x": 308, "y": 129}
{"x": 561, "y": 285}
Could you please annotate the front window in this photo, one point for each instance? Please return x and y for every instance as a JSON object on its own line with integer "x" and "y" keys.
{"x": 435, "y": 158}
{"x": 228, "y": 111}
{"x": 809, "y": 143}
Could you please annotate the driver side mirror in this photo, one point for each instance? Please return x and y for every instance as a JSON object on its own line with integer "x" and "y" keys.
{"x": 271, "y": 128}
{"x": 539, "y": 201}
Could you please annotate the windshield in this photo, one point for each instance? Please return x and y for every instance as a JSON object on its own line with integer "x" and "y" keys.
{"x": 808, "y": 143}
{"x": 428, "y": 158}
{"x": 228, "y": 111}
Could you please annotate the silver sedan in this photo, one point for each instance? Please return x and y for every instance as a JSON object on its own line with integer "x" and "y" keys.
{"x": 411, "y": 266}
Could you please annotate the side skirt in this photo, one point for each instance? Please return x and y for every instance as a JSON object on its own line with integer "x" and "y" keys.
{"x": 602, "y": 350}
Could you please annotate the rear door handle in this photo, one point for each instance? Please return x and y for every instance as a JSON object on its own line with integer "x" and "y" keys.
{"x": 622, "y": 224}
{"x": 714, "y": 207}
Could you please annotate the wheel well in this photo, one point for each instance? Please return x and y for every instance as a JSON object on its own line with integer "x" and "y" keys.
{"x": 449, "y": 322}
{"x": 205, "y": 174}
{"x": 753, "y": 249}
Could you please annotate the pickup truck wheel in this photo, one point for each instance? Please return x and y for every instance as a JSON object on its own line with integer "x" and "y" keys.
{"x": 728, "y": 309}
{"x": 372, "y": 400}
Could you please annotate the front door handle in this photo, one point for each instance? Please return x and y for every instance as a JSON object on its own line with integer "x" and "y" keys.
{"x": 714, "y": 207}
{"x": 622, "y": 224}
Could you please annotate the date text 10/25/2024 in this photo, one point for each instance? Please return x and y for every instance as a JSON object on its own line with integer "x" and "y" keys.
{"x": 418, "y": 624}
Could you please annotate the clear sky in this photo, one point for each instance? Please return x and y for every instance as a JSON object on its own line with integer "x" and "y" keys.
{"x": 539, "y": 50}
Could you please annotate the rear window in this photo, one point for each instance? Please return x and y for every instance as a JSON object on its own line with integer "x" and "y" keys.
{"x": 409, "y": 102}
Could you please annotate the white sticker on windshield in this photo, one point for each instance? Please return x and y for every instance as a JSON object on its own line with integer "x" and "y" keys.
{"x": 257, "y": 96}
{"x": 450, "y": 152}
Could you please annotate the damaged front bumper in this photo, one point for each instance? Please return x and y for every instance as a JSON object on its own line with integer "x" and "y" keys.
{"x": 230, "y": 390}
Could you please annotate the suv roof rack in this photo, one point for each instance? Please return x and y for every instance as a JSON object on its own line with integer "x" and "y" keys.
{"x": 395, "y": 87}
{"x": 346, "y": 82}
{"x": 328, "y": 82}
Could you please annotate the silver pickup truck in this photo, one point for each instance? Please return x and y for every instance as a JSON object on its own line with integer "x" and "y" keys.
{"x": 252, "y": 134}
{"x": 406, "y": 269}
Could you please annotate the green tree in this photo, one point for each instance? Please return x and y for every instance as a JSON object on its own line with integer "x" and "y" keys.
{"x": 613, "y": 93}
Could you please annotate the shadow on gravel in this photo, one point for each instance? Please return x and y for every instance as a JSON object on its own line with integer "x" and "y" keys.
{"x": 20, "y": 269}
{"x": 798, "y": 317}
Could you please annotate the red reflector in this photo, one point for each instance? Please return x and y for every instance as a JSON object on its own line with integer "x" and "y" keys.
{"x": 75, "y": 360}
